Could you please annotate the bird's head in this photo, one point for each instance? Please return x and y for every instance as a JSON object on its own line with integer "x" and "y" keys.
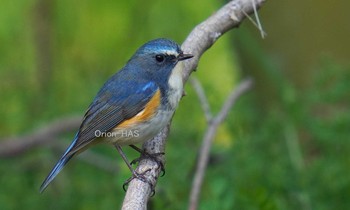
{"x": 157, "y": 58}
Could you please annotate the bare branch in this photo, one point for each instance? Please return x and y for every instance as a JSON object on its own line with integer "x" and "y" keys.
{"x": 257, "y": 24}
{"x": 13, "y": 146}
{"x": 202, "y": 98}
{"x": 199, "y": 40}
{"x": 242, "y": 87}
{"x": 208, "y": 139}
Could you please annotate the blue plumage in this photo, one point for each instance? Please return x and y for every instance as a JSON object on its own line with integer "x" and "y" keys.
{"x": 126, "y": 95}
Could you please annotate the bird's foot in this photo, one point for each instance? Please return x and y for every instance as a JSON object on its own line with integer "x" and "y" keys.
{"x": 141, "y": 177}
{"x": 154, "y": 157}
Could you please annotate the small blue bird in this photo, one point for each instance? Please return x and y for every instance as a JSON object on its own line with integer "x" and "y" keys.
{"x": 134, "y": 104}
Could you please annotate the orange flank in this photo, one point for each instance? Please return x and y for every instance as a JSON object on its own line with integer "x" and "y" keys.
{"x": 145, "y": 114}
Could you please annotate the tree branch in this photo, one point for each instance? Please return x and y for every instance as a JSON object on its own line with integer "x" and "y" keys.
{"x": 13, "y": 146}
{"x": 202, "y": 98}
{"x": 208, "y": 139}
{"x": 199, "y": 40}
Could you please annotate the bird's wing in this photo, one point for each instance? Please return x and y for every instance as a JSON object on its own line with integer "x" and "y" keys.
{"x": 112, "y": 106}
{"x": 117, "y": 102}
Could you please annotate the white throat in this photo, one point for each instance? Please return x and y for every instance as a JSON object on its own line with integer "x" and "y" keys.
{"x": 175, "y": 85}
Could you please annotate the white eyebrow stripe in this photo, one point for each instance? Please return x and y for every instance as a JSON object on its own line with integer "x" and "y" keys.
{"x": 170, "y": 52}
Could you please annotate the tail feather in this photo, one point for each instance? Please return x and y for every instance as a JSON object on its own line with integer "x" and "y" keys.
{"x": 59, "y": 166}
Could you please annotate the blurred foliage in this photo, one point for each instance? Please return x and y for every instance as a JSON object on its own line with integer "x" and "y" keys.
{"x": 283, "y": 146}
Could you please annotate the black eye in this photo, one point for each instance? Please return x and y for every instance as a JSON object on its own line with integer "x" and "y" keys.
{"x": 160, "y": 58}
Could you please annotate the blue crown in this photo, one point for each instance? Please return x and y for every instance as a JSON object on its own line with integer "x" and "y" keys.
{"x": 159, "y": 45}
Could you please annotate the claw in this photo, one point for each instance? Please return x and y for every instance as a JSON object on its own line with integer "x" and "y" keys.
{"x": 153, "y": 157}
{"x": 153, "y": 192}
{"x": 135, "y": 161}
{"x": 140, "y": 177}
{"x": 126, "y": 183}
{"x": 163, "y": 172}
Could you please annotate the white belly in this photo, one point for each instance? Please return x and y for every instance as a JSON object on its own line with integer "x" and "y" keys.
{"x": 141, "y": 132}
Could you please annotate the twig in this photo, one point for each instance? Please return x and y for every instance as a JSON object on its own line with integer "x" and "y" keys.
{"x": 202, "y": 37}
{"x": 202, "y": 98}
{"x": 208, "y": 138}
{"x": 242, "y": 87}
{"x": 262, "y": 32}
{"x": 13, "y": 146}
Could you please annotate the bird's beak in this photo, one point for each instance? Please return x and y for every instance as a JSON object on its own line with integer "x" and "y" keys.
{"x": 182, "y": 57}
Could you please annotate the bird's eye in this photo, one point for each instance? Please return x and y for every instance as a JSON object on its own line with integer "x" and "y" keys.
{"x": 160, "y": 58}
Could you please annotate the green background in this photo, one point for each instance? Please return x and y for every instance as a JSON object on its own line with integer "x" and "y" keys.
{"x": 284, "y": 145}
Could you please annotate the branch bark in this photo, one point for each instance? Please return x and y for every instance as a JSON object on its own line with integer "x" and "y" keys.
{"x": 13, "y": 146}
{"x": 202, "y": 37}
{"x": 208, "y": 139}
{"x": 197, "y": 86}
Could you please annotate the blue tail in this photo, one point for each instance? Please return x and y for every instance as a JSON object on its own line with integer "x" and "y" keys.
{"x": 59, "y": 166}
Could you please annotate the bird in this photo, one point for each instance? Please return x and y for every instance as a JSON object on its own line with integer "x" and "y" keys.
{"x": 134, "y": 104}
